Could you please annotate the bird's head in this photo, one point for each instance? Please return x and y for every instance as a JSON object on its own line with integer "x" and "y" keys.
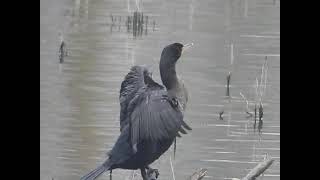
{"x": 173, "y": 52}
{"x": 167, "y": 65}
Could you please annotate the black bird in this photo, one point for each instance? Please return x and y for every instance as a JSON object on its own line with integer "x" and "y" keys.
{"x": 151, "y": 116}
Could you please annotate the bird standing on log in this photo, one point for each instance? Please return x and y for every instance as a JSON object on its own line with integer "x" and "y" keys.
{"x": 151, "y": 115}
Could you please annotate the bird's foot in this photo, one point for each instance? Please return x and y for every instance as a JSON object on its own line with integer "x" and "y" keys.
{"x": 152, "y": 174}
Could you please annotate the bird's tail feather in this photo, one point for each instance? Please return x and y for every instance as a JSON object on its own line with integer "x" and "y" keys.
{"x": 96, "y": 172}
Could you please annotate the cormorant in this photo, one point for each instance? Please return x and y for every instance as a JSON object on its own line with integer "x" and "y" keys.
{"x": 151, "y": 116}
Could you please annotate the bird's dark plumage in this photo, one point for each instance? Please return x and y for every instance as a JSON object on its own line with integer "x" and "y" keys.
{"x": 154, "y": 117}
{"x": 150, "y": 116}
{"x": 138, "y": 77}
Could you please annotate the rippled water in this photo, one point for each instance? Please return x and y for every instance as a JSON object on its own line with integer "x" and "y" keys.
{"x": 79, "y": 107}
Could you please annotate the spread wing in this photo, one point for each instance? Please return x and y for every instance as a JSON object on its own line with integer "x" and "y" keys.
{"x": 154, "y": 116}
{"x": 138, "y": 77}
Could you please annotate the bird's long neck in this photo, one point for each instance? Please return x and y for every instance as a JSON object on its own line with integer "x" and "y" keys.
{"x": 170, "y": 80}
{"x": 168, "y": 75}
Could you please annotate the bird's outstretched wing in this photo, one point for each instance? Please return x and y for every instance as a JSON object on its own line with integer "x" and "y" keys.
{"x": 154, "y": 116}
{"x": 138, "y": 77}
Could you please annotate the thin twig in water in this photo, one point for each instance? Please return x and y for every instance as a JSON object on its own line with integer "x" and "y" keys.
{"x": 263, "y": 80}
{"x": 260, "y": 118}
{"x": 255, "y": 103}
{"x": 263, "y": 85}
{"x": 247, "y": 111}
{"x": 247, "y": 105}
{"x": 255, "y": 118}
{"x": 228, "y": 85}
{"x": 229, "y": 74}
{"x": 173, "y": 176}
{"x": 257, "y": 87}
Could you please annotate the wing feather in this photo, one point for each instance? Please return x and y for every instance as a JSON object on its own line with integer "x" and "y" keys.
{"x": 137, "y": 78}
{"x": 155, "y": 117}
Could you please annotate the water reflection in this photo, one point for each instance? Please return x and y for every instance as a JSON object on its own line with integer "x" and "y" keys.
{"x": 62, "y": 49}
{"x": 138, "y": 24}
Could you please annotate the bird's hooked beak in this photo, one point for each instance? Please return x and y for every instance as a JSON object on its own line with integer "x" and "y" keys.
{"x": 186, "y": 46}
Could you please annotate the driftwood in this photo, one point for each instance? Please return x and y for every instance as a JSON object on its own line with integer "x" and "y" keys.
{"x": 259, "y": 169}
{"x": 153, "y": 174}
{"x": 252, "y": 175}
{"x": 198, "y": 175}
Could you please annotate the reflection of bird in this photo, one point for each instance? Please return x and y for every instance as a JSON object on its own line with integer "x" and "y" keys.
{"x": 247, "y": 106}
{"x": 151, "y": 116}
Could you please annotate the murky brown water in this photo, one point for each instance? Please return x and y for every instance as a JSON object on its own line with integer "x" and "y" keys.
{"x": 79, "y": 108}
